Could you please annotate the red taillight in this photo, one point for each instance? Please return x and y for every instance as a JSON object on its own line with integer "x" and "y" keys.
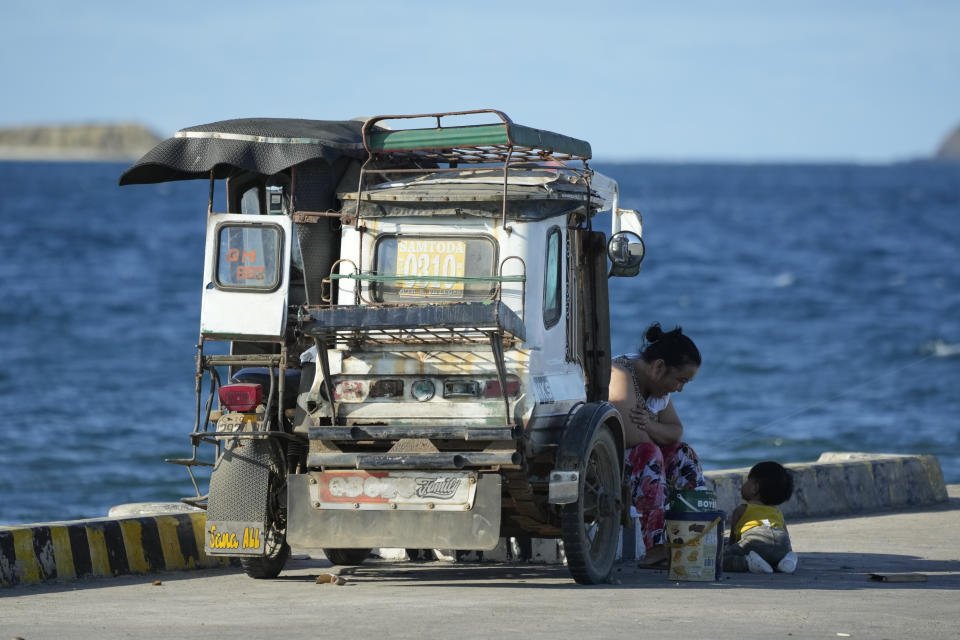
{"x": 492, "y": 389}
{"x": 243, "y": 397}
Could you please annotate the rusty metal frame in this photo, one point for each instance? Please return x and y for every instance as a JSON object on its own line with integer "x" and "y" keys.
{"x": 510, "y": 155}
{"x": 523, "y": 288}
{"x": 314, "y": 216}
{"x": 328, "y": 281}
{"x": 202, "y": 432}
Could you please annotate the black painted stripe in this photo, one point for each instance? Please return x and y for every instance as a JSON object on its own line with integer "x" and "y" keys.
{"x": 116, "y": 549}
{"x": 8, "y": 559}
{"x": 150, "y": 540}
{"x": 80, "y": 549}
{"x": 43, "y": 542}
{"x": 188, "y": 541}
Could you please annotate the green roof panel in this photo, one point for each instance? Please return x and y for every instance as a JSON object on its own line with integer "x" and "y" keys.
{"x": 487, "y": 135}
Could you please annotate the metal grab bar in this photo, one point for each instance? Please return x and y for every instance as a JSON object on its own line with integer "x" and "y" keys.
{"x": 372, "y": 277}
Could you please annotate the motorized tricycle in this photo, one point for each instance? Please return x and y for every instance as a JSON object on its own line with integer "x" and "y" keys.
{"x": 419, "y": 350}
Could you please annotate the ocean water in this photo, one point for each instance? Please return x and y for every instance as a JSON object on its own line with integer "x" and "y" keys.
{"x": 825, "y": 300}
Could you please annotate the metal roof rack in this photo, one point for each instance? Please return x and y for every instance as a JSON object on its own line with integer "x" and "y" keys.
{"x": 503, "y": 143}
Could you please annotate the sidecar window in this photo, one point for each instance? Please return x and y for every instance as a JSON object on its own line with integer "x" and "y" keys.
{"x": 248, "y": 257}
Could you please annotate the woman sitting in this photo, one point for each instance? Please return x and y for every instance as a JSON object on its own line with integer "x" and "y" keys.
{"x": 658, "y": 462}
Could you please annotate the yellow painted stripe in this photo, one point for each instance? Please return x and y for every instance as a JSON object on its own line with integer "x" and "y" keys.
{"x": 172, "y": 554}
{"x": 99, "y": 561}
{"x": 63, "y": 552}
{"x": 200, "y": 531}
{"x": 29, "y": 568}
{"x": 132, "y": 533}
{"x": 199, "y": 523}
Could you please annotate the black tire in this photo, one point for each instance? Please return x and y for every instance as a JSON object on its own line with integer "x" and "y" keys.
{"x": 347, "y": 557}
{"x": 266, "y": 567}
{"x": 591, "y": 525}
{"x": 278, "y": 551}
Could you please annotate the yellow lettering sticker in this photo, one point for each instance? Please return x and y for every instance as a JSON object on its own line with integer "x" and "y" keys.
{"x": 241, "y": 538}
{"x": 251, "y": 538}
{"x": 425, "y": 258}
{"x": 223, "y": 540}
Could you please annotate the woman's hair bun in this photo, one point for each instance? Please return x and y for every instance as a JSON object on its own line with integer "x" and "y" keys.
{"x": 654, "y": 333}
{"x": 672, "y": 347}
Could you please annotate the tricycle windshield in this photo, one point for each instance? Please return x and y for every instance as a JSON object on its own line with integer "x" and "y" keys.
{"x": 437, "y": 256}
{"x": 248, "y": 256}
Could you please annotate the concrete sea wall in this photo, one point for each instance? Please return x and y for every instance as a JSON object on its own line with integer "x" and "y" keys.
{"x": 59, "y": 551}
{"x": 835, "y": 485}
{"x": 846, "y": 484}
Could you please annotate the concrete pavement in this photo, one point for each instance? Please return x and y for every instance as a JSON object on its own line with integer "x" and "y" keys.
{"x": 138, "y": 542}
{"x": 830, "y": 596}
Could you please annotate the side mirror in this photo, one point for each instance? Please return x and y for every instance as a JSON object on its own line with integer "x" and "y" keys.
{"x": 626, "y": 251}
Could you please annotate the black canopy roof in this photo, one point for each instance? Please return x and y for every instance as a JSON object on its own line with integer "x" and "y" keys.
{"x": 260, "y": 145}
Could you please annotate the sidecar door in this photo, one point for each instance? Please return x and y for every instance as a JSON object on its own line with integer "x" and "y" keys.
{"x": 246, "y": 276}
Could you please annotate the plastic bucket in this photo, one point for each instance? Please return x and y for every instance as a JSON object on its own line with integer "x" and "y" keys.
{"x": 695, "y": 543}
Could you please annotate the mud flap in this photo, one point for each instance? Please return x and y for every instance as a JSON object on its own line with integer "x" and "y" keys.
{"x": 237, "y": 504}
{"x": 309, "y": 526}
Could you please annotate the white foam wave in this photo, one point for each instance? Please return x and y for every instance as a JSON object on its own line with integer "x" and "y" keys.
{"x": 785, "y": 279}
{"x": 940, "y": 349}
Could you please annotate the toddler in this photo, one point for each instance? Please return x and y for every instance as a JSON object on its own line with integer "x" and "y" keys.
{"x": 758, "y": 538}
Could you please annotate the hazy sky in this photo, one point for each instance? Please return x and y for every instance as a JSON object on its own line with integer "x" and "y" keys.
{"x": 814, "y": 80}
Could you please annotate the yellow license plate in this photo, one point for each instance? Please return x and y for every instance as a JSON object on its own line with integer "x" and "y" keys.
{"x": 425, "y": 258}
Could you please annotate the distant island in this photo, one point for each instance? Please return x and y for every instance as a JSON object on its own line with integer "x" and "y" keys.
{"x": 950, "y": 149}
{"x": 129, "y": 141}
{"x": 120, "y": 141}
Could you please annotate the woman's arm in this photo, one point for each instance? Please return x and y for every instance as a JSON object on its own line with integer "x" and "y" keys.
{"x": 665, "y": 430}
{"x": 622, "y": 396}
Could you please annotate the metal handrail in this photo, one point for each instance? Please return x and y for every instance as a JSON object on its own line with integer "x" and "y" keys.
{"x": 372, "y": 277}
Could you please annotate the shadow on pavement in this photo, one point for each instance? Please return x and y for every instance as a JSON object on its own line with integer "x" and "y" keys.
{"x": 817, "y": 571}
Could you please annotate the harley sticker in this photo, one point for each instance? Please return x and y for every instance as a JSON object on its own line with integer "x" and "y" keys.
{"x": 442, "y": 488}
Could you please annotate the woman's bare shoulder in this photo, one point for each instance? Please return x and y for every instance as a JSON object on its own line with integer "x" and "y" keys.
{"x": 619, "y": 372}
{"x": 621, "y": 385}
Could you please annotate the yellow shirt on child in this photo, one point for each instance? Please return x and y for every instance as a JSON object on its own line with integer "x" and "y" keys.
{"x": 757, "y": 515}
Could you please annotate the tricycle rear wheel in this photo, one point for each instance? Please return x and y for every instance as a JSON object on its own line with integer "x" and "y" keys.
{"x": 275, "y": 534}
{"x": 591, "y": 525}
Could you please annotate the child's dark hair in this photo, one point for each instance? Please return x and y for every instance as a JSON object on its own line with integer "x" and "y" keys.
{"x": 674, "y": 348}
{"x": 774, "y": 482}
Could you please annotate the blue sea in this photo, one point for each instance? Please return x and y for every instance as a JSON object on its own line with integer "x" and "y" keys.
{"x": 825, "y": 300}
